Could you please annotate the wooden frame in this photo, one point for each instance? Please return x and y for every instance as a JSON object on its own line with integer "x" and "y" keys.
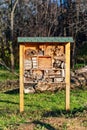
{"x": 67, "y": 77}
{"x": 67, "y": 73}
{"x": 21, "y": 77}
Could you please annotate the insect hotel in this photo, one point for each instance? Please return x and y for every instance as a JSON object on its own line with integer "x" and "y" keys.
{"x": 44, "y": 65}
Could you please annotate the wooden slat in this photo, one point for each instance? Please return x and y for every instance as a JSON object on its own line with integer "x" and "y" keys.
{"x": 44, "y": 62}
{"x": 21, "y": 77}
{"x": 67, "y": 78}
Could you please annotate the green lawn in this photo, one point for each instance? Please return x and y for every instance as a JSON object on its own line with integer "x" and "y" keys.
{"x": 38, "y": 106}
{"x": 7, "y": 75}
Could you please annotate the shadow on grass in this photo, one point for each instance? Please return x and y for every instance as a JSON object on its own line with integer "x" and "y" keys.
{"x": 15, "y": 91}
{"x": 43, "y": 125}
{"x": 72, "y": 113}
{"x": 10, "y": 101}
{"x": 7, "y": 101}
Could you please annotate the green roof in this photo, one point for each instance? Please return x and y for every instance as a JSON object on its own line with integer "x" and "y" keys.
{"x": 45, "y": 39}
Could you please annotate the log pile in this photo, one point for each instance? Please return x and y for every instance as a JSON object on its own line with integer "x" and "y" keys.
{"x": 49, "y": 87}
{"x": 9, "y": 85}
{"x": 78, "y": 80}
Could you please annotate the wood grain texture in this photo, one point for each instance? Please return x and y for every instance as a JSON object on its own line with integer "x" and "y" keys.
{"x": 21, "y": 77}
{"x": 67, "y": 77}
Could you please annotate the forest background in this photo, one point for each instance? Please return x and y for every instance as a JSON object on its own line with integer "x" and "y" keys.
{"x": 42, "y": 18}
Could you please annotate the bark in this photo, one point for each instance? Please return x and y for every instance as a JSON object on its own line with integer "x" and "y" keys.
{"x": 11, "y": 46}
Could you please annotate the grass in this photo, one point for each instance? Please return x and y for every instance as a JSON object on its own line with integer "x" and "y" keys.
{"x": 78, "y": 66}
{"x": 38, "y": 106}
{"x": 7, "y": 75}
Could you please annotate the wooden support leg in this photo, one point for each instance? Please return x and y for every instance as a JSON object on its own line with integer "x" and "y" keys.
{"x": 21, "y": 77}
{"x": 67, "y": 52}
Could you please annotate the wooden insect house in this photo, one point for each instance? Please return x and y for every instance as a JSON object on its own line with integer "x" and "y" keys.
{"x": 45, "y": 64}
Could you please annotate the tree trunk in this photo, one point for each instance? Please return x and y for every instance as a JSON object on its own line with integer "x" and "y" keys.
{"x": 73, "y": 55}
{"x": 11, "y": 45}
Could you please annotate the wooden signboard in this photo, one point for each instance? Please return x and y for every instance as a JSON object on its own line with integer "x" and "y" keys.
{"x": 44, "y": 60}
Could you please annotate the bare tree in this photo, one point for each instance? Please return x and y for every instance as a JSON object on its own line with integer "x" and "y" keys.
{"x": 42, "y": 18}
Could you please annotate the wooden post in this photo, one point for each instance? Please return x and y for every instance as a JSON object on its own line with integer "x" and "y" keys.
{"x": 67, "y": 79}
{"x": 21, "y": 77}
